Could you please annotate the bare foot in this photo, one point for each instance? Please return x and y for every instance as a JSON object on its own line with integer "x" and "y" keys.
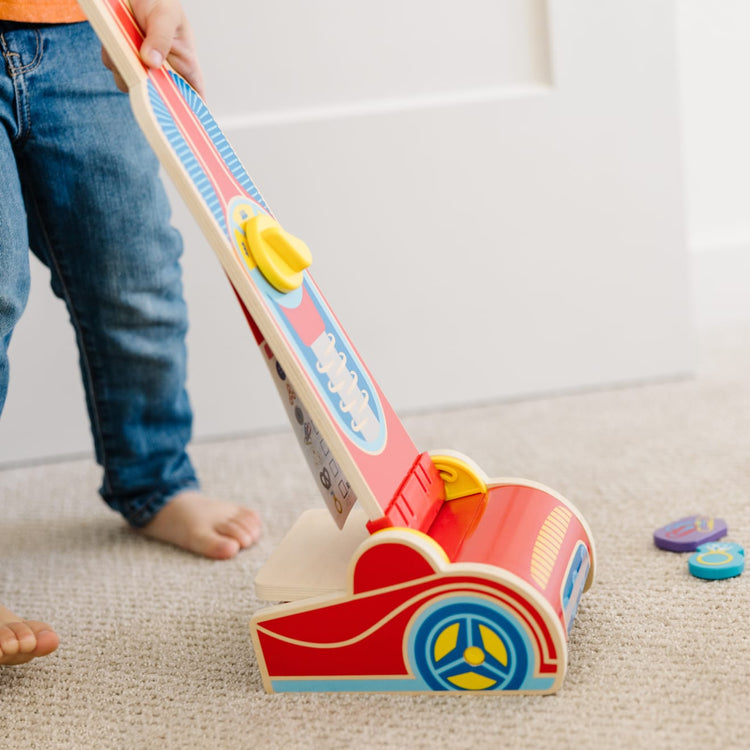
{"x": 22, "y": 640}
{"x": 213, "y": 528}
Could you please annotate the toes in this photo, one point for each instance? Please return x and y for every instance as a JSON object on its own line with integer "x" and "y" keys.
{"x": 244, "y": 528}
{"x": 16, "y": 638}
{"x": 219, "y": 547}
{"x": 250, "y": 522}
{"x": 46, "y": 640}
{"x": 212, "y": 528}
{"x": 231, "y": 535}
{"x": 22, "y": 641}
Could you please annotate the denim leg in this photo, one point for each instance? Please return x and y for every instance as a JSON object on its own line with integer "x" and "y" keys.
{"x": 99, "y": 220}
{"x": 14, "y": 243}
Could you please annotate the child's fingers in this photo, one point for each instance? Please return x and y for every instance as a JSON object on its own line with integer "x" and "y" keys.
{"x": 119, "y": 80}
{"x": 168, "y": 36}
{"x": 161, "y": 25}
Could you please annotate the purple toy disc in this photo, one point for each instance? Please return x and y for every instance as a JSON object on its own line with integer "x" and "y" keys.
{"x": 686, "y": 534}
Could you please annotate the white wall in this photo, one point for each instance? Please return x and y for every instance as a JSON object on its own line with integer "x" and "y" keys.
{"x": 714, "y": 49}
{"x": 493, "y": 198}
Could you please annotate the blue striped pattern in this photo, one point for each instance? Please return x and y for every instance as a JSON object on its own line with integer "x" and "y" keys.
{"x": 185, "y": 154}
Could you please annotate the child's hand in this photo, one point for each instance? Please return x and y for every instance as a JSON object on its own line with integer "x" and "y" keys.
{"x": 168, "y": 36}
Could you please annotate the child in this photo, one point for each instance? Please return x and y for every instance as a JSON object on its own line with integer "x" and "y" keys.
{"x": 79, "y": 186}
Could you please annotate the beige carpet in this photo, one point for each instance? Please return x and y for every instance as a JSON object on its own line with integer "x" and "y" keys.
{"x": 155, "y": 650}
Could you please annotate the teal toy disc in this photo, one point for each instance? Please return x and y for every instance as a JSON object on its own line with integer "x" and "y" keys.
{"x": 717, "y": 560}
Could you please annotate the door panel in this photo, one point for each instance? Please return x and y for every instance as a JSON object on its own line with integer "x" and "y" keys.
{"x": 492, "y": 193}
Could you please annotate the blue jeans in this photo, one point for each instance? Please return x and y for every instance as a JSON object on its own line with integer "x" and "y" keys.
{"x": 79, "y": 186}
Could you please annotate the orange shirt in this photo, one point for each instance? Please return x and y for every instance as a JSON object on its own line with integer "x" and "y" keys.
{"x": 41, "y": 11}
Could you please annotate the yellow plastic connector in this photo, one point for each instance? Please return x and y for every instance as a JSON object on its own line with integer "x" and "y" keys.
{"x": 460, "y": 477}
{"x": 280, "y": 256}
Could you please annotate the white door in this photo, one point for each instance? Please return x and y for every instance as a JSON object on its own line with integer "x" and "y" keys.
{"x": 491, "y": 190}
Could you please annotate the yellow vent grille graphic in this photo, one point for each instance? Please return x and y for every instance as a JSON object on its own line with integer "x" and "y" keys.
{"x": 547, "y": 545}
